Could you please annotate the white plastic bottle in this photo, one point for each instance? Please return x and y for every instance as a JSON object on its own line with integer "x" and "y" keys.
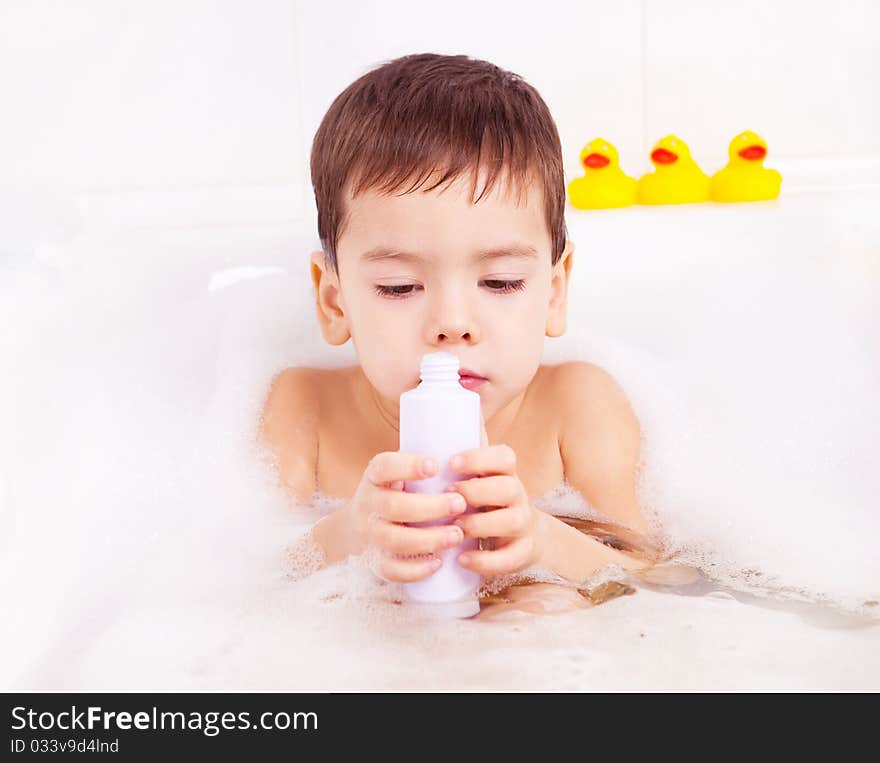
{"x": 440, "y": 418}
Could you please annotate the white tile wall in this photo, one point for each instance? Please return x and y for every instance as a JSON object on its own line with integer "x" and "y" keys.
{"x": 583, "y": 57}
{"x": 124, "y": 101}
{"x": 106, "y": 97}
{"x": 803, "y": 74}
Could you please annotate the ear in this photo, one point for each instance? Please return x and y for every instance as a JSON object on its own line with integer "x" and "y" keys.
{"x": 328, "y": 300}
{"x": 556, "y": 317}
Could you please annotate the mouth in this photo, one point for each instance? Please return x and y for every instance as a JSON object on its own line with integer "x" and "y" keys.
{"x": 595, "y": 161}
{"x": 663, "y": 156}
{"x": 753, "y": 152}
{"x": 467, "y": 373}
{"x": 470, "y": 379}
{"x": 473, "y": 383}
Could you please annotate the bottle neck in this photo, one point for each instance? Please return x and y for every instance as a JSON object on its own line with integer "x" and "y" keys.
{"x": 439, "y": 367}
{"x": 433, "y": 378}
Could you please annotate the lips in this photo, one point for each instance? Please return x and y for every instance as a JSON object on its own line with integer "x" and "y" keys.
{"x": 595, "y": 161}
{"x": 753, "y": 152}
{"x": 466, "y": 372}
{"x": 663, "y": 156}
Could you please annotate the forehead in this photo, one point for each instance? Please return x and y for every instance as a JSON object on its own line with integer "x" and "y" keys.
{"x": 445, "y": 218}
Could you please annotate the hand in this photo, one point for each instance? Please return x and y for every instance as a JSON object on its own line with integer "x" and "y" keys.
{"x": 379, "y": 509}
{"x": 509, "y": 516}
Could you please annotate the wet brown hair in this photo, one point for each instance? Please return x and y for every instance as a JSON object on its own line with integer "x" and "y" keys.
{"x": 427, "y": 113}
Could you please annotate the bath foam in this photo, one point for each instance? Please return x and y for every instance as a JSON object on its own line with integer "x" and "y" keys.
{"x": 715, "y": 501}
{"x": 305, "y": 557}
{"x": 155, "y": 556}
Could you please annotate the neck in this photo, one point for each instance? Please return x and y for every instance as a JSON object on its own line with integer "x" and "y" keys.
{"x": 383, "y": 415}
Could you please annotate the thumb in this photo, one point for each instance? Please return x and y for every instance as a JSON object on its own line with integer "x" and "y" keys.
{"x": 484, "y": 437}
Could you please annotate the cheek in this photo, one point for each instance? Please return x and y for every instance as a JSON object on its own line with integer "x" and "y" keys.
{"x": 373, "y": 325}
{"x": 528, "y": 314}
{"x": 391, "y": 373}
{"x": 388, "y": 354}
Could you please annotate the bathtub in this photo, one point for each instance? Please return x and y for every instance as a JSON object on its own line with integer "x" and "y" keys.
{"x": 143, "y": 541}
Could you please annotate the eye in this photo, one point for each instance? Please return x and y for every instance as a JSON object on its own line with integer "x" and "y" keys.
{"x": 395, "y": 292}
{"x": 402, "y": 291}
{"x": 506, "y": 286}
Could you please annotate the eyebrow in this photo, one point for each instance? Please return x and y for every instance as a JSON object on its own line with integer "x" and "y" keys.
{"x": 523, "y": 251}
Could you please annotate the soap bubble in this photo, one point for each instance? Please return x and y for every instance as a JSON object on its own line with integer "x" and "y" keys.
{"x": 147, "y": 544}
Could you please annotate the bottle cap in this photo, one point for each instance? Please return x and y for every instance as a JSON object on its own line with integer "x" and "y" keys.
{"x": 439, "y": 366}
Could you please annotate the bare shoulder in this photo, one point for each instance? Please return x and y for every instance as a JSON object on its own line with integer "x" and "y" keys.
{"x": 291, "y": 389}
{"x": 581, "y": 387}
{"x": 600, "y": 440}
{"x": 289, "y": 428}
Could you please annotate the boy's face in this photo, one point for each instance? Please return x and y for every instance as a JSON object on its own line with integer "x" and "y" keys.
{"x": 491, "y": 312}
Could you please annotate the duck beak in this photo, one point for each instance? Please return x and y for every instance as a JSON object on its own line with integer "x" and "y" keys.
{"x": 663, "y": 156}
{"x": 753, "y": 152}
{"x": 596, "y": 161}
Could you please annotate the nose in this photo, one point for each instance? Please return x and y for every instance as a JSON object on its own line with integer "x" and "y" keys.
{"x": 453, "y": 336}
{"x": 452, "y": 332}
{"x": 451, "y": 323}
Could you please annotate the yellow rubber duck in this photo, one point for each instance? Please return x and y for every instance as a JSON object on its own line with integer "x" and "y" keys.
{"x": 745, "y": 178}
{"x": 677, "y": 179}
{"x": 604, "y": 184}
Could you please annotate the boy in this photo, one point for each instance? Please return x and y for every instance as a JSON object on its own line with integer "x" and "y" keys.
{"x": 441, "y": 197}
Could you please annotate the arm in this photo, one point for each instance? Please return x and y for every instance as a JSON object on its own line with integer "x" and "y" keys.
{"x": 576, "y": 556}
{"x": 600, "y": 442}
{"x": 289, "y": 431}
{"x": 333, "y": 536}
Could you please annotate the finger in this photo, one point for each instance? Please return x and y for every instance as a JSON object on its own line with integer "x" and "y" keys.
{"x": 399, "y": 570}
{"x": 496, "y": 523}
{"x": 493, "y": 459}
{"x": 511, "y": 558}
{"x": 497, "y": 490}
{"x": 391, "y": 466}
{"x": 400, "y": 539}
{"x": 420, "y": 507}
